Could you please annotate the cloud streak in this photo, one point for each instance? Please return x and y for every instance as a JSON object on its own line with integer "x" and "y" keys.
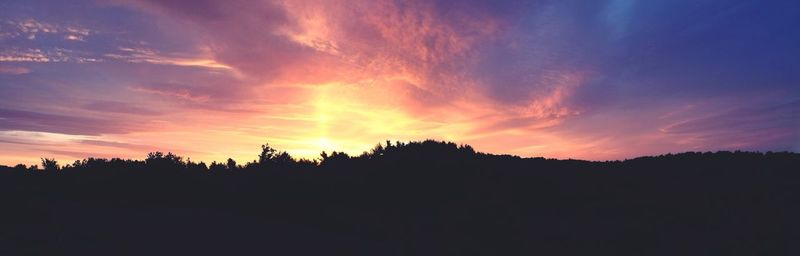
{"x": 63, "y": 124}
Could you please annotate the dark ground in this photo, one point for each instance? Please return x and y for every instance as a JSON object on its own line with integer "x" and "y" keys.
{"x": 425, "y": 198}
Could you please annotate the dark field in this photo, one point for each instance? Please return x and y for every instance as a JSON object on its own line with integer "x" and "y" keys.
{"x": 426, "y": 198}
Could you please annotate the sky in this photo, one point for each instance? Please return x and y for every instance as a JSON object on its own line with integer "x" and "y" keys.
{"x": 208, "y": 80}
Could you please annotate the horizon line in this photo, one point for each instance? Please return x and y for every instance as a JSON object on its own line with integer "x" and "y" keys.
{"x": 396, "y": 143}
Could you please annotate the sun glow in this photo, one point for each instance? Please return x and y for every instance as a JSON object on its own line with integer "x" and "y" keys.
{"x": 352, "y": 118}
{"x": 326, "y": 144}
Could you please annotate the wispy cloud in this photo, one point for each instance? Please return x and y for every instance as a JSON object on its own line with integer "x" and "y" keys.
{"x": 747, "y": 127}
{"x": 116, "y": 144}
{"x": 31, "y": 28}
{"x": 172, "y": 90}
{"x": 23, "y": 120}
{"x": 12, "y": 70}
{"x": 119, "y": 107}
{"x": 141, "y": 55}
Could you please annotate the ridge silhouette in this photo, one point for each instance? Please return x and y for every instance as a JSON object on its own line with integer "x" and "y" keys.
{"x": 416, "y": 198}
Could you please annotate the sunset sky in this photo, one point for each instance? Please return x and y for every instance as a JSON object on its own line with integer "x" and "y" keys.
{"x": 598, "y": 80}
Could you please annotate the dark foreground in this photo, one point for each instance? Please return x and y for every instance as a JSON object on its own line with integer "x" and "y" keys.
{"x": 415, "y": 199}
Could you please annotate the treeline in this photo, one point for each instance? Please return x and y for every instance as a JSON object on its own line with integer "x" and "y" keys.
{"x": 269, "y": 159}
{"x": 417, "y": 198}
{"x": 429, "y": 151}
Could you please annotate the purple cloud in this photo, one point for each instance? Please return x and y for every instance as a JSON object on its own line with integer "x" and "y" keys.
{"x": 65, "y": 124}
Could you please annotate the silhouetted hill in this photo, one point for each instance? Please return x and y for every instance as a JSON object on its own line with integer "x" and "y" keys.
{"x": 419, "y": 198}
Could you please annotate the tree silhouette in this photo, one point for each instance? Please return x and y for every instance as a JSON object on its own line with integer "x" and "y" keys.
{"x": 231, "y": 164}
{"x": 50, "y": 165}
{"x": 267, "y": 154}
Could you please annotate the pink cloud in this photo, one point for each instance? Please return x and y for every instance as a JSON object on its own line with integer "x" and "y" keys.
{"x": 11, "y": 70}
{"x": 351, "y": 65}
